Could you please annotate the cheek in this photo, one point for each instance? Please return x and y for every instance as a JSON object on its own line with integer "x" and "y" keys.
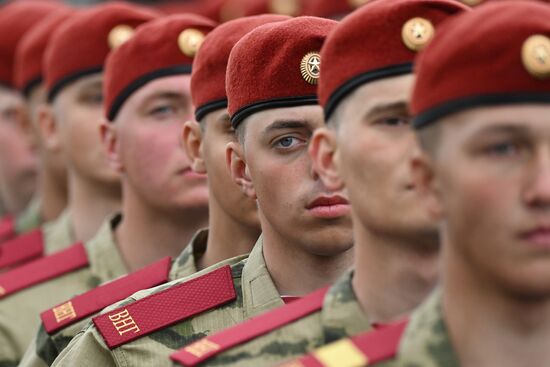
{"x": 148, "y": 151}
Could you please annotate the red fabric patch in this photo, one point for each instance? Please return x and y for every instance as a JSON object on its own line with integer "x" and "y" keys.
{"x": 250, "y": 329}
{"x": 24, "y": 248}
{"x": 167, "y": 307}
{"x": 86, "y": 304}
{"x": 42, "y": 270}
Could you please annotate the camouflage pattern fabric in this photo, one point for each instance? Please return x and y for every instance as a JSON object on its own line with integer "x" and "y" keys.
{"x": 30, "y": 218}
{"x": 19, "y": 312}
{"x": 256, "y": 293}
{"x": 58, "y": 234}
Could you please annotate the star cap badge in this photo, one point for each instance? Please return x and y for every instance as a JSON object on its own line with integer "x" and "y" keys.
{"x": 416, "y": 33}
{"x": 472, "y": 2}
{"x": 310, "y": 67}
{"x": 190, "y": 40}
{"x": 357, "y": 3}
{"x": 535, "y": 55}
{"x": 118, "y": 35}
{"x": 285, "y": 7}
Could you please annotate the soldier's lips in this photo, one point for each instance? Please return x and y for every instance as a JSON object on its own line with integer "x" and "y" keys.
{"x": 538, "y": 237}
{"x": 329, "y": 207}
{"x": 189, "y": 173}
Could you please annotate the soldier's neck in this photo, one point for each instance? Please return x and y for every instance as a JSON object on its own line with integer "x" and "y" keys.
{"x": 90, "y": 203}
{"x": 297, "y": 271}
{"x": 52, "y": 192}
{"x": 492, "y": 326}
{"x": 149, "y": 233}
{"x": 227, "y": 236}
{"x": 393, "y": 274}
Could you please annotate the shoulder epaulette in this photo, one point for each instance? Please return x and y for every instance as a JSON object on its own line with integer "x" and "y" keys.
{"x": 166, "y": 307}
{"x": 362, "y": 350}
{"x": 7, "y": 228}
{"x": 22, "y": 249}
{"x": 213, "y": 345}
{"x": 95, "y": 300}
{"x": 42, "y": 270}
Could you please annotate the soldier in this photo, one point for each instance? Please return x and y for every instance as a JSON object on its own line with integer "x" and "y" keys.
{"x": 306, "y": 227}
{"x": 364, "y": 88}
{"x": 73, "y": 62}
{"x": 146, "y": 106}
{"x": 483, "y": 126}
{"x": 17, "y": 160}
{"x": 51, "y": 195}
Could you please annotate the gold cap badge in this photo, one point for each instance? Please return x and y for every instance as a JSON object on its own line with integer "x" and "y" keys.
{"x": 535, "y": 55}
{"x": 357, "y": 3}
{"x": 119, "y": 34}
{"x": 472, "y": 2}
{"x": 416, "y": 33}
{"x": 310, "y": 67}
{"x": 189, "y": 41}
{"x": 285, "y": 7}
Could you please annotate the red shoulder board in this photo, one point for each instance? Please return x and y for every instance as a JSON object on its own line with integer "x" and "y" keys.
{"x": 86, "y": 304}
{"x": 362, "y": 350}
{"x": 24, "y": 248}
{"x": 7, "y": 228}
{"x": 166, "y": 307}
{"x": 210, "y": 346}
{"x": 42, "y": 270}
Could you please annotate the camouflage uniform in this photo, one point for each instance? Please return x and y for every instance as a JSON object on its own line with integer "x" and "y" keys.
{"x": 45, "y": 348}
{"x": 58, "y": 234}
{"x": 256, "y": 293}
{"x": 30, "y": 218}
{"x": 19, "y": 312}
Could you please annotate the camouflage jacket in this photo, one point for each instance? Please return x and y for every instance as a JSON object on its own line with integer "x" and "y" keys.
{"x": 339, "y": 317}
{"x": 256, "y": 293}
{"x": 45, "y": 347}
{"x": 30, "y": 218}
{"x": 58, "y": 234}
{"x": 19, "y": 312}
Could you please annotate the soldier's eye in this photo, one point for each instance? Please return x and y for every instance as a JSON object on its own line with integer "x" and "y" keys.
{"x": 287, "y": 142}
{"x": 393, "y": 121}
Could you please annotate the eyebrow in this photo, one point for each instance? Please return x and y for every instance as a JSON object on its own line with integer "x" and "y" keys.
{"x": 378, "y": 109}
{"x": 504, "y": 128}
{"x": 286, "y": 124}
{"x": 164, "y": 95}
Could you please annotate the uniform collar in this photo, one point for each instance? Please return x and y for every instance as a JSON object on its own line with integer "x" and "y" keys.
{"x": 59, "y": 233}
{"x": 259, "y": 291}
{"x": 30, "y": 218}
{"x": 186, "y": 263}
{"x": 106, "y": 263}
{"x": 426, "y": 341}
{"x": 341, "y": 315}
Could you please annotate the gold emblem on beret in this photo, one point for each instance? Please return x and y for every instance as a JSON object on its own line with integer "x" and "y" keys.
{"x": 310, "y": 67}
{"x": 416, "y": 33}
{"x": 285, "y": 7}
{"x": 190, "y": 40}
{"x": 535, "y": 55}
{"x": 472, "y": 2}
{"x": 357, "y": 3}
{"x": 119, "y": 34}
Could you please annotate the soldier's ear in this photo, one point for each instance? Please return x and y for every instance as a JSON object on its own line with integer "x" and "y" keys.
{"x": 238, "y": 168}
{"x": 426, "y": 183}
{"x": 48, "y": 128}
{"x": 109, "y": 138}
{"x": 192, "y": 144}
{"x": 323, "y": 152}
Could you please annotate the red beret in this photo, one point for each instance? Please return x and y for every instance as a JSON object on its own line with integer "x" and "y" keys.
{"x": 208, "y": 77}
{"x": 276, "y": 65}
{"x": 16, "y": 19}
{"x": 232, "y": 9}
{"x": 81, "y": 44}
{"x": 378, "y": 40}
{"x": 470, "y": 63}
{"x": 166, "y": 46}
{"x": 331, "y": 8}
{"x": 31, "y": 48}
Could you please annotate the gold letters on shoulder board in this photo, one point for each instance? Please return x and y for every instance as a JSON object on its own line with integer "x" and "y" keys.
{"x": 535, "y": 55}
{"x": 119, "y": 34}
{"x": 190, "y": 40}
{"x": 416, "y": 33}
{"x": 310, "y": 67}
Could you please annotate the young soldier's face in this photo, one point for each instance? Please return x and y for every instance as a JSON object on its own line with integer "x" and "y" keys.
{"x": 490, "y": 178}
{"x": 292, "y": 199}
{"x": 78, "y": 111}
{"x": 373, "y": 144}
{"x": 148, "y": 145}
{"x": 206, "y": 143}
{"x": 17, "y": 161}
